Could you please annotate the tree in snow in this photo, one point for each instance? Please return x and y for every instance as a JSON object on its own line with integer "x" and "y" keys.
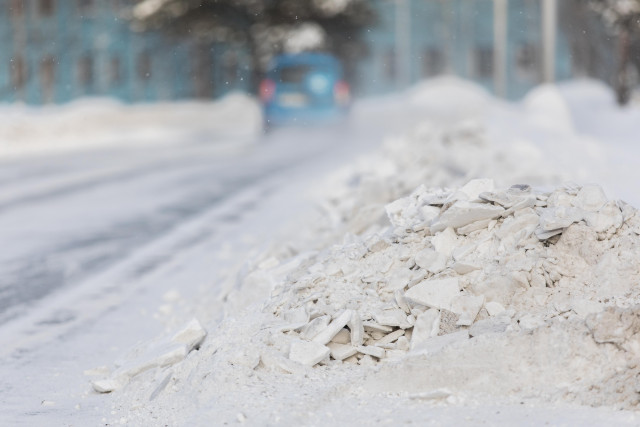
{"x": 265, "y": 27}
{"x": 623, "y": 18}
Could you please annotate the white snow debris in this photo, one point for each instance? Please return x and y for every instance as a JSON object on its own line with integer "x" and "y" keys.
{"x": 308, "y": 353}
{"x": 427, "y": 326}
{"x": 434, "y": 293}
{"x": 156, "y": 353}
{"x": 494, "y": 308}
{"x": 341, "y": 351}
{"x": 334, "y": 327}
{"x": 462, "y": 213}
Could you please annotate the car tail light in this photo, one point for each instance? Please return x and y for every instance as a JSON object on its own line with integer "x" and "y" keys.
{"x": 341, "y": 92}
{"x": 267, "y": 90}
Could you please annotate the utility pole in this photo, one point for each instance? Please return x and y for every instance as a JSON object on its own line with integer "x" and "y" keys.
{"x": 500, "y": 16}
{"x": 403, "y": 43}
{"x": 549, "y": 30}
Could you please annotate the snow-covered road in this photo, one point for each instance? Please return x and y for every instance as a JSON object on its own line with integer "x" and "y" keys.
{"x": 103, "y": 234}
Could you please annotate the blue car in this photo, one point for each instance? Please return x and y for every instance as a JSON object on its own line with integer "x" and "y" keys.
{"x": 306, "y": 88}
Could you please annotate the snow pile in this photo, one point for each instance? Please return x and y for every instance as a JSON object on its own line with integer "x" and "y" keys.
{"x": 458, "y": 269}
{"x": 90, "y": 123}
{"x": 469, "y": 261}
{"x": 423, "y": 283}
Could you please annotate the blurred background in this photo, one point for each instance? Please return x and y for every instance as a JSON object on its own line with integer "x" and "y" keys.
{"x": 55, "y": 51}
{"x": 146, "y": 146}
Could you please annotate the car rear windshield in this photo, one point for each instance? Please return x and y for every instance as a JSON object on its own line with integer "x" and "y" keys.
{"x": 294, "y": 73}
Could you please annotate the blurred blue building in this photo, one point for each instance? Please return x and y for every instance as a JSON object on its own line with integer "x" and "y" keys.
{"x": 52, "y": 51}
{"x": 418, "y": 39}
{"x": 58, "y": 50}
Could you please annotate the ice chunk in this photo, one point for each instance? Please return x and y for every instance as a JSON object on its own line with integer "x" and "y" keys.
{"x": 376, "y": 327}
{"x": 467, "y": 307}
{"x": 108, "y": 385}
{"x": 393, "y": 317}
{"x": 445, "y": 242}
{"x": 190, "y": 335}
{"x": 607, "y": 218}
{"x": 313, "y": 328}
{"x": 494, "y": 308}
{"x": 389, "y": 338}
{"x": 401, "y": 301}
{"x": 371, "y": 351}
{"x": 559, "y": 217}
{"x": 341, "y": 351}
{"x": 430, "y": 260}
{"x": 474, "y": 226}
{"x": 590, "y": 198}
{"x": 463, "y": 268}
{"x": 427, "y": 326}
{"x": 333, "y": 328}
{"x": 462, "y": 213}
{"x": 402, "y": 212}
{"x": 541, "y": 234}
{"x": 152, "y": 354}
{"x": 308, "y": 353}
{"x": 436, "y": 293}
{"x": 473, "y": 188}
{"x": 357, "y": 329}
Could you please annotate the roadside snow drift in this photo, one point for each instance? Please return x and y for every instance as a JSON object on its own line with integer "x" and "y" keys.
{"x": 91, "y": 123}
{"x": 442, "y": 270}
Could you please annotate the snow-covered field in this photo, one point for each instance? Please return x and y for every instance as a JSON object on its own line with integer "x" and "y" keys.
{"x": 413, "y": 284}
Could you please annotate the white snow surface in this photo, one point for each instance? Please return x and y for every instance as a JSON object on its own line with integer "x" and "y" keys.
{"x": 544, "y": 351}
{"x": 95, "y": 123}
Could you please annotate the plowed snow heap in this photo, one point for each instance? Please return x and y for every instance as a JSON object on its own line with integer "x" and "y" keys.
{"x": 459, "y": 264}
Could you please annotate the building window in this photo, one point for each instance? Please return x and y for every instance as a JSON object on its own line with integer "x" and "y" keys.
{"x": 144, "y": 66}
{"x": 115, "y": 71}
{"x": 527, "y": 61}
{"x": 432, "y": 62}
{"x": 48, "y": 78}
{"x": 18, "y": 72}
{"x": 85, "y": 7}
{"x": 46, "y": 7}
{"x": 16, "y": 7}
{"x": 85, "y": 71}
{"x": 389, "y": 64}
{"x": 483, "y": 61}
{"x": 230, "y": 61}
{"x": 202, "y": 67}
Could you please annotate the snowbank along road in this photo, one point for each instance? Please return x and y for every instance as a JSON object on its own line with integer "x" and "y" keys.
{"x": 106, "y": 248}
